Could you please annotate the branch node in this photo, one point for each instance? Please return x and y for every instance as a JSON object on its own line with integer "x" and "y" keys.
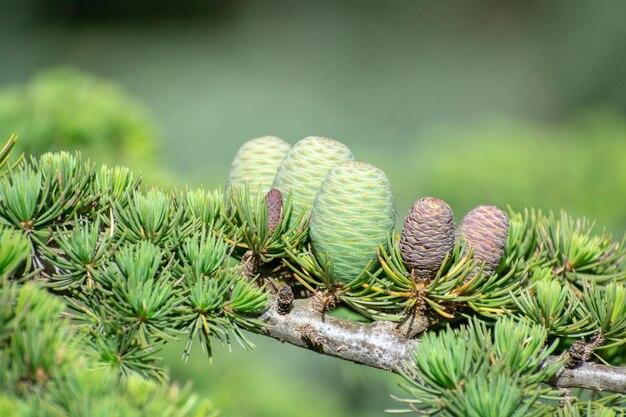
{"x": 311, "y": 338}
{"x": 581, "y": 351}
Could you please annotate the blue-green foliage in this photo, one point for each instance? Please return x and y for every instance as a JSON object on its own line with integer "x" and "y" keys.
{"x": 135, "y": 268}
{"x": 491, "y": 372}
{"x": 46, "y": 368}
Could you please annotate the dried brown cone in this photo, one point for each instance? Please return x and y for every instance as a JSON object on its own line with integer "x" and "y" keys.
{"x": 274, "y": 202}
{"x": 485, "y": 230}
{"x": 427, "y": 237}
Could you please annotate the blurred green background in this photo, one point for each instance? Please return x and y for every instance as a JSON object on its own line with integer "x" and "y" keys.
{"x": 483, "y": 102}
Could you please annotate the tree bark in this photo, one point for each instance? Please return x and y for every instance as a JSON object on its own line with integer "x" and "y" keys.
{"x": 378, "y": 345}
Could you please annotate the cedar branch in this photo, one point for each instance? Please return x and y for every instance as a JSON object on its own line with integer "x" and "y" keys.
{"x": 377, "y": 345}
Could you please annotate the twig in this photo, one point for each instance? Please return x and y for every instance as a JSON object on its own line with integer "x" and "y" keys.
{"x": 379, "y": 346}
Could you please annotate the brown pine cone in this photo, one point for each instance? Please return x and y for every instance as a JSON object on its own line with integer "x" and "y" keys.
{"x": 427, "y": 236}
{"x": 274, "y": 202}
{"x": 485, "y": 230}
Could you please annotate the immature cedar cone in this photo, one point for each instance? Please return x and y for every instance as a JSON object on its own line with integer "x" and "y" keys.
{"x": 352, "y": 215}
{"x": 485, "y": 230}
{"x": 427, "y": 236}
{"x": 256, "y": 163}
{"x": 274, "y": 203}
{"x": 304, "y": 167}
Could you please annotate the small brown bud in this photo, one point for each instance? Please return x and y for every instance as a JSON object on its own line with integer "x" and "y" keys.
{"x": 274, "y": 203}
{"x": 285, "y": 300}
{"x": 581, "y": 351}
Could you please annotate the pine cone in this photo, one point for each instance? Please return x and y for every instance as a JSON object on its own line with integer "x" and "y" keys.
{"x": 256, "y": 163}
{"x": 427, "y": 236}
{"x": 274, "y": 203}
{"x": 353, "y": 213}
{"x": 304, "y": 167}
{"x": 485, "y": 230}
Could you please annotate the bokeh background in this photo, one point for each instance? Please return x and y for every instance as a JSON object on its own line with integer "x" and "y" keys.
{"x": 482, "y": 102}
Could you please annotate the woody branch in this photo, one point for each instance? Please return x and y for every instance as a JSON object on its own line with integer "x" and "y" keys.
{"x": 378, "y": 346}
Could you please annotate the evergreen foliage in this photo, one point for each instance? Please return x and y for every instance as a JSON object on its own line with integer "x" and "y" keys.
{"x": 476, "y": 370}
{"x": 48, "y": 367}
{"x": 93, "y": 261}
{"x": 64, "y": 108}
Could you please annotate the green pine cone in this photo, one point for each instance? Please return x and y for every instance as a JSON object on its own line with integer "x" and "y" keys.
{"x": 353, "y": 213}
{"x": 427, "y": 237}
{"x": 304, "y": 167}
{"x": 256, "y": 163}
{"x": 485, "y": 230}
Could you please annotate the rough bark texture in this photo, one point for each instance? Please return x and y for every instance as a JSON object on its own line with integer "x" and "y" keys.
{"x": 375, "y": 345}
{"x": 592, "y": 376}
{"x": 379, "y": 346}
